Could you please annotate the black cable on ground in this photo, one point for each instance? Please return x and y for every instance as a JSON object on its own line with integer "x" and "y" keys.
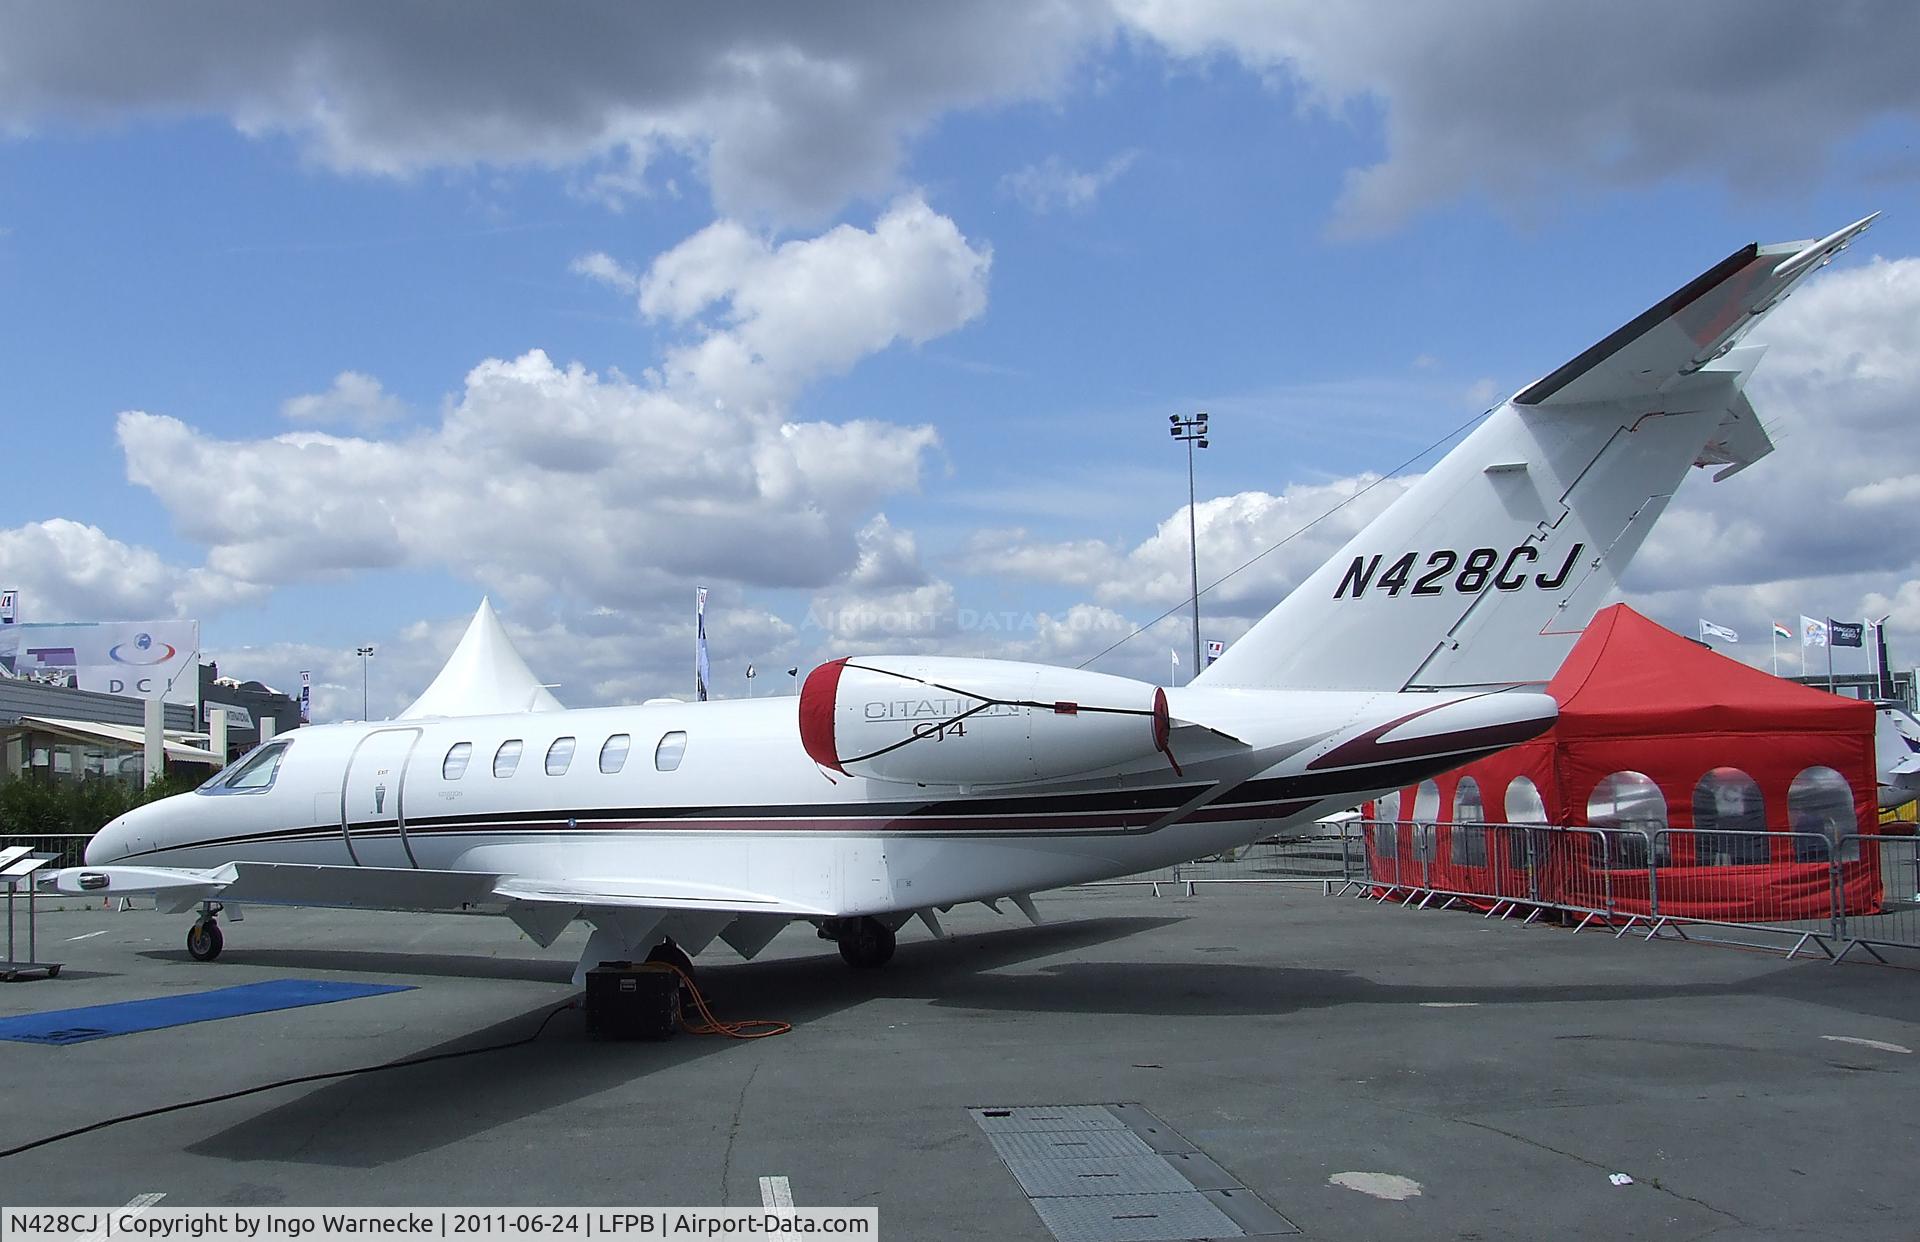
{"x": 287, "y": 1082}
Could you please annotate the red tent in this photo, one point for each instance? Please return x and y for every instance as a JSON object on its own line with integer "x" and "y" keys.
{"x": 1666, "y": 746}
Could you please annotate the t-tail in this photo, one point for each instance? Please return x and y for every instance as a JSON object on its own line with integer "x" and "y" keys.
{"x": 1485, "y": 571}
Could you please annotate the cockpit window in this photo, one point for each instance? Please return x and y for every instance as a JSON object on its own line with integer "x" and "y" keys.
{"x": 251, "y": 773}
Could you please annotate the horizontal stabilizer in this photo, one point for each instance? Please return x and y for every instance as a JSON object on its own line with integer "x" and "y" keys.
{"x": 1689, "y": 328}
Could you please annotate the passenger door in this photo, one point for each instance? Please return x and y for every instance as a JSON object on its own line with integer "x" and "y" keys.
{"x": 373, "y": 796}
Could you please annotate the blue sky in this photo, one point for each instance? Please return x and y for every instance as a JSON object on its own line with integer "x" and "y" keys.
{"x": 1032, "y": 232}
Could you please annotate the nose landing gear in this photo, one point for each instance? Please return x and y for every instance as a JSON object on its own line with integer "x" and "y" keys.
{"x": 865, "y": 943}
{"x": 204, "y": 940}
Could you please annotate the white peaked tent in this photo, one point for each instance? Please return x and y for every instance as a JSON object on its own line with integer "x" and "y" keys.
{"x": 484, "y": 676}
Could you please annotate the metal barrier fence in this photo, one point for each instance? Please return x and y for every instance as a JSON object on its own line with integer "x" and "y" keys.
{"x": 1794, "y": 891}
{"x": 68, "y": 847}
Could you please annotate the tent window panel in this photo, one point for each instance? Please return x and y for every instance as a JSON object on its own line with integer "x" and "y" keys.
{"x": 1426, "y": 812}
{"x": 454, "y": 766}
{"x": 1727, "y": 808}
{"x": 1820, "y": 800}
{"x": 1632, "y": 810}
{"x": 507, "y": 758}
{"x": 613, "y": 755}
{"x": 1387, "y": 806}
{"x": 1524, "y": 806}
{"x": 1386, "y": 840}
{"x": 559, "y": 756}
{"x": 1468, "y": 846}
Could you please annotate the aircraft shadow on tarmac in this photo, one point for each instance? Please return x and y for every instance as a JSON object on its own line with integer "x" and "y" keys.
{"x": 370, "y": 1120}
{"x": 376, "y": 962}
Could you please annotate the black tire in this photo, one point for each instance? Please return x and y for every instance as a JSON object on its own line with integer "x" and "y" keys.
{"x": 866, "y": 944}
{"x": 204, "y": 940}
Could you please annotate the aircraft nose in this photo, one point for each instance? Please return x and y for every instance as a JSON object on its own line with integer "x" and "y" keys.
{"x": 110, "y": 843}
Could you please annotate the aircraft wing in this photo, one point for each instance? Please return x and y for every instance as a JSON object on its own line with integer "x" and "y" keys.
{"x": 1685, "y": 331}
{"x": 648, "y": 895}
{"x": 180, "y": 889}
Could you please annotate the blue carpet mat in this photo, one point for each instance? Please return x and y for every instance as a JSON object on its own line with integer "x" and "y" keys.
{"x": 77, "y": 1026}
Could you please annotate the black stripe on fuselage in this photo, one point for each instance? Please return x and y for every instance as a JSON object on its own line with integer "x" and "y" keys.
{"x": 1271, "y": 797}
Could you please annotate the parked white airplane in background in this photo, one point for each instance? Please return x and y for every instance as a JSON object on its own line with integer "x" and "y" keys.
{"x": 1896, "y": 755}
{"x": 896, "y": 786}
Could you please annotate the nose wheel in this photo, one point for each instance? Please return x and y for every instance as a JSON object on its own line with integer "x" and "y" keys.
{"x": 204, "y": 940}
{"x": 864, "y": 943}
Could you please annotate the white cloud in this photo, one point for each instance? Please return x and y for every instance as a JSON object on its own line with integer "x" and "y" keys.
{"x": 788, "y": 110}
{"x": 1482, "y": 98}
{"x": 544, "y": 480}
{"x": 1303, "y": 525}
{"x": 70, "y": 571}
{"x": 1052, "y": 185}
{"x": 354, "y": 398}
{"x": 607, "y": 270}
{"x": 786, "y": 314}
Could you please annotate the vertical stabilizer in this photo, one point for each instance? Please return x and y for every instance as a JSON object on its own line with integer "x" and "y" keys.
{"x": 1485, "y": 571}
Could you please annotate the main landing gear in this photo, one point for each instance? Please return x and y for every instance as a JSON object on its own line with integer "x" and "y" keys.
{"x": 204, "y": 940}
{"x": 865, "y": 943}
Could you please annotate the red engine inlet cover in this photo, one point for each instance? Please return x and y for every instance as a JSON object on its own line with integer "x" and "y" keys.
{"x": 817, "y": 698}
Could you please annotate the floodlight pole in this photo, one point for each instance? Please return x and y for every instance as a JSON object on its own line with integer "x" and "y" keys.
{"x": 363, "y": 653}
{"x": 1192, "y": 431}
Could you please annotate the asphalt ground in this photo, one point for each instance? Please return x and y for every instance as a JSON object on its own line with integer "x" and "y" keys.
{"x": 1298, "y": 1039}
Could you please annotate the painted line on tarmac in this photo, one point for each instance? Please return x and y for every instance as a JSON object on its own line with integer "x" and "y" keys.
{"x": 90, "y": 935}
{"x": 775, "y": 1192}
{"x": 1881, "y": 1045}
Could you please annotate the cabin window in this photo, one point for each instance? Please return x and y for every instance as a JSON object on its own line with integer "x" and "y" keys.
{"x": 1728, "y": 817}
{"x": 1631, "y": 810}
{"x": 454, "y": 766}
{"x": 613, "y": 755}
{"x": 1820, "y": 800}
{"x": 1524, "y": 806}
{"x": 507, "y": 758}
{"x": 1426, "y": 812}
{"x": 252, "y": 774}
{"x": 666, "y": 756}
{"x": 559, "y": 755}
{"x": 1468, "y": 847}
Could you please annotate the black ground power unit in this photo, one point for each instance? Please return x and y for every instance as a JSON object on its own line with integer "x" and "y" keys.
{"x": 633, "y": 1000}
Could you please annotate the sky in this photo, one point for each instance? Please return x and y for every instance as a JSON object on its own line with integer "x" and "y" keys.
{"x": 320, "y": 322}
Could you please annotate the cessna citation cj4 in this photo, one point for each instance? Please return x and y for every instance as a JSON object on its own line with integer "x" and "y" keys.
{"x": 897, "y": 786}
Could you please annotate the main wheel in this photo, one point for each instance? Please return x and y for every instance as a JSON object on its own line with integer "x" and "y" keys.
{"x": 204, "y": 940}
{"x": 866, "y": 943}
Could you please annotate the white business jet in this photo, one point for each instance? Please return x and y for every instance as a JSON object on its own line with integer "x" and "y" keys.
{"x": 898, "y": 786}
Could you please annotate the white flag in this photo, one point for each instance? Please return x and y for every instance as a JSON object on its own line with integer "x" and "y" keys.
{"x": 1709, "y": 630}
{"x": 1812, "y": 633}
{"x": 1175, "y": 653}
{"x": 701, "y": 671}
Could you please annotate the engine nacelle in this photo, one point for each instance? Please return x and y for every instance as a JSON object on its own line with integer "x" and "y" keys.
{"x": 953, "y": 721}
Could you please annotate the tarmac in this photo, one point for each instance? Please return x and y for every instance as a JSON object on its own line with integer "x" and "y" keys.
{"x": 1367, "y": 1071}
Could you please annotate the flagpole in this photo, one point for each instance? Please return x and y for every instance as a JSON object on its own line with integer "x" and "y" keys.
{"x": 1776, "y": 648}
{"x": 1830, "y": 689}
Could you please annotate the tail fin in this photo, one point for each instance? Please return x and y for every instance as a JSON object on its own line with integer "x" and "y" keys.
{"x": 1489, "y": 566}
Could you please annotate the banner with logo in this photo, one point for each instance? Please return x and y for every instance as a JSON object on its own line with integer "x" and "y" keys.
{"x": 138, "y": 659}
{"x": 306, "y": 696}
{"x": 1846, "y": 633}
{"x": 9, "y": 607}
